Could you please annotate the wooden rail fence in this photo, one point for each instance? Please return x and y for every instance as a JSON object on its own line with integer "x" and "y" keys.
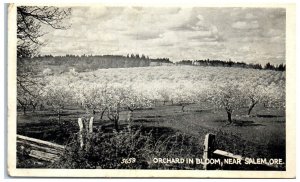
{"x": 210, "y": 152}
{"x": 39, "y": 149}
{"x": 51, "y": 152}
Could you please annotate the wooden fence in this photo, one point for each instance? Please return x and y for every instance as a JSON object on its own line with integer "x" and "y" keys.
{"x": 47, "y": 151}
{"x": 230, "y": 161}
{"x": 51, "y": 152}
{"x": 39, "y": 149}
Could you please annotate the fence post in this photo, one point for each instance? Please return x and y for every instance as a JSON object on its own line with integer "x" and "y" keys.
{"x": 208, "y": 149}
{"x": 91, "y": 125}
{"x": 80, "y": 132}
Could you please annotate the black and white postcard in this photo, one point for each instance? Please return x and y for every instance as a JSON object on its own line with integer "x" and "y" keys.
{"x": 151, "y": 91}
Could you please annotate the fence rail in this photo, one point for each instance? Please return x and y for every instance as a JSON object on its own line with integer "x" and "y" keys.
{"x": 236, "y": 161}
{"x": 39, "y": 149}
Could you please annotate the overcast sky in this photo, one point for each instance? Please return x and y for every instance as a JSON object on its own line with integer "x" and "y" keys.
{"x": 240, "y": 34}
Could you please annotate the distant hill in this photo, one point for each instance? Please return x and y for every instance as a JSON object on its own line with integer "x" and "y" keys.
{"x": 84, "y": 63}
{"x": 59, "y": 64}
{"x": 207, "y": 62}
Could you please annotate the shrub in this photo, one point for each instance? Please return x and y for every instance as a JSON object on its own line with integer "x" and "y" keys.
{"x": 107, "y": 150}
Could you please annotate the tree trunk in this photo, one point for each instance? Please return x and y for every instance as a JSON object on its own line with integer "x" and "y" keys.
{"x": 41, "y": 107}
{"x": 164, "y": 102}
{"x": 114, "y": 117}
{"x": 34, "y": 107}
{"x": 116, "y": 125}
{"x": 229, "y": 117}
{"x": 102, "y": 113}
{"x": 182, "y": 108}
{"x": 59, "y": 116}
{"x": 24, "y": 110}
{"x": 250, "y": 108}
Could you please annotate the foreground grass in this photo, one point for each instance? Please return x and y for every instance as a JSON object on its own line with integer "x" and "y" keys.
{"x": 261, "y": 135}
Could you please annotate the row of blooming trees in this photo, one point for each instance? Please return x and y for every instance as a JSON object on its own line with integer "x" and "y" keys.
{"x": 110, "y": 99}
{"x": 232, "y": 96}
{"x": 113, "y": 100}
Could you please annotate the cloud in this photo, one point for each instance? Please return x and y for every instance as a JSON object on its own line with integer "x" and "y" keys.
{"x": 242, "y": 34}
{"x": 246, "y": 25}
{"x": 273, "y": 33}
{"x": 245, "y": 49}
{"x": 190, "y": 21}
{"x": 277, "y": 39}
{"x": 250, "y": 16}
{"x": 143, "y": 35}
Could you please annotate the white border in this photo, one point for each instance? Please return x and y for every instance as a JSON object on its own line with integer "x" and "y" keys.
{"x": 290, "y": 127}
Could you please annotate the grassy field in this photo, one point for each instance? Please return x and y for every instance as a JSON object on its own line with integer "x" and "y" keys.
{"x": 260, "y": 135}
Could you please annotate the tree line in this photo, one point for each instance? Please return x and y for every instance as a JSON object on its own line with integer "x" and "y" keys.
{"x": 208, "y": 62}
{"x": 94, "y": 62}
